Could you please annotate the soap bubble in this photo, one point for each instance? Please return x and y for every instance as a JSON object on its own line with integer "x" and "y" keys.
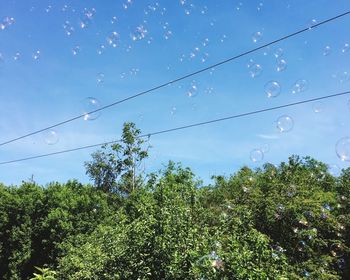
{"x": 281, "y": 65}
{"x": 75, "y": 50}
{"x": 342, "y": 149}
{"x": 272, "y": 89}
{"x": 265, "y": 148}
{"x": 91, "y": 104}
{"x": 100, "y": 78}
{"x": 312, "y": 23}
{"x": 327, "y": 51}
{"x": 113, "y": 39}
{"x": 278, "y": 52}
{"x": 255, "y": 70}
{"x": 6, "y": 22}
{"x": 139, "y": 34}
{"x": 193, "y": 90}
{"x": 68, "y": 28}
{"x": 260, "y": 6}
{"x": 285, "y": 123}
{"x": 51, "y": 137}
{"x": 341, "y": 263}
{"x": 87, "y": 17}
{"x": 114, "y": 20}
{"x": 337, "y": 250}
{"x": 301, "y": 246}
{"x": 256, "y": 155}
{"x": 317, "y": 107}
{"x": 334, "y": 170}
{"x": 300, "y": 86}
{"x": 344, "y": 76}
{"x": 36, "y": 55}
{"x": 345, "y": 48}
{"x": 101, "y": 49}
{"x": 17, "y": 56}
{"x": 256, "y": 37}
{"x": 173, "y": 110}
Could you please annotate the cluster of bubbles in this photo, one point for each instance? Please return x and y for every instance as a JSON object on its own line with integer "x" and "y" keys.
{"x": 6, "y": 22}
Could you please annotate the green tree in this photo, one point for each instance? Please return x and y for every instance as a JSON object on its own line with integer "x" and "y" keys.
{"x": 117, "y": 167}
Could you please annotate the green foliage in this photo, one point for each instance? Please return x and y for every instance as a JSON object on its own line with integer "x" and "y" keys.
{"x": 45, "y": 274}
{"x": 116, "y": 167}
{"x": 290, "y": 221}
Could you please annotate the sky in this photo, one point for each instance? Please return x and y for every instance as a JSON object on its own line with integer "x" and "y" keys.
{"x": 61, "y": 58}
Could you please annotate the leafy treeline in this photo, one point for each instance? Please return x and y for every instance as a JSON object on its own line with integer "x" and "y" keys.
{"x": 289, "y": 221}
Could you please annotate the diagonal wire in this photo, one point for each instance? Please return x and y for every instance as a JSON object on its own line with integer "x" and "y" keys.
{"x": 180, "y": 78}
{"x": 256, "y": 112}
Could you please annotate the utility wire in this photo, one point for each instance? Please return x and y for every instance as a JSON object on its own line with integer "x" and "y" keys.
{"x": 185, "y": 126}
{"x": 180, "y": 78}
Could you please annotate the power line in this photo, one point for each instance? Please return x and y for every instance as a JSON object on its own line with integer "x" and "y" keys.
{"x": 179, "y": 78}
{"x": 185, "y": 126}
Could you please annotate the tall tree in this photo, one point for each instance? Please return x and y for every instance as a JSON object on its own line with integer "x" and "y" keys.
{"x": 117, "y": 167}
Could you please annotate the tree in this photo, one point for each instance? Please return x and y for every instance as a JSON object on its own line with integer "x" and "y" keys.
{"x": 116, "y": 168}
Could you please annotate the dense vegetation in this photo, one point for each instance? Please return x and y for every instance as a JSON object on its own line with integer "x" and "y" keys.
{"x": 289, "y": 221}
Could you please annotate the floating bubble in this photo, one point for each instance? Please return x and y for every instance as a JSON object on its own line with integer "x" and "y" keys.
{"x": 91, "y": 104}
{"x": 256, "y": 155}
{"x": 281, "y": 65}
{"x": 317, "y": 107}
{"x": 306, "y": 274}
{"x": 300, "y": 86}
{"x": 239, "y": 6}
{"x": 345, "y": 48}
{"x": 173, "y": 110}
{"x": 68, "y": 28}
{"x": 334, "y": 170}
{"x": 17, "y": 56}
{"x": 193, "y": 90}
{"x": 36, "y": 55}
{"x": 272, "y": 89}
{"x": 342, "y": 149}
{"x": 139, "y": 34}
{"x": 255, "y": 70}
{"x": 312, "y": 23}
{"x": 209, "y": 90}
{"x": 278, "y": 52}
{"x": 285, "y": 123}
{"x": 75, "y": 50}
{"x": 114, "y": 20}
{"x": 167, "y": 34}
{"x": 113, "y": 39}
{"x": 344, "y": 76}
{"x": 341, "y": 263}
{"x": 265, "y": 148}
{"x": 256, "y": 37}
{"x": 101, "y": 49}
{"x": 337, "y": 250}
{"x": 6, "y": 22}
{"x": 87, "y": 17}
{"x": 260, "y": 6}
{"x": 100, "y": 78}
{"x": 301, "y": 246}
{"x": 51, "y": 137}
{"x": 327, "y": 51}
{"x": 48, "y": 9}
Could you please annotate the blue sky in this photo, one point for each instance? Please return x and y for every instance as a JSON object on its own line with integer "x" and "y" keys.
{"x": 174, "y": 38}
